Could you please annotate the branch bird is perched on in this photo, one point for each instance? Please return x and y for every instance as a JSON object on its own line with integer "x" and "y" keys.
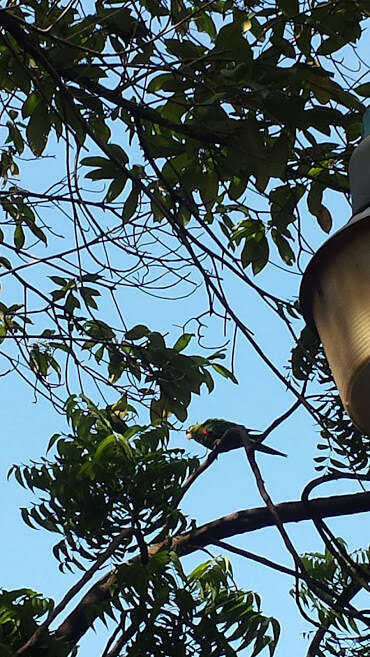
{"x": 208, "y": 432}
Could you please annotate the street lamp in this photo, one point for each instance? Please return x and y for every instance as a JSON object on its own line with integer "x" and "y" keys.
{"x": 335, "y": 293}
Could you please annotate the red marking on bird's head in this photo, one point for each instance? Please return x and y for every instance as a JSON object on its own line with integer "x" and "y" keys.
{"x": 205, "y": 431}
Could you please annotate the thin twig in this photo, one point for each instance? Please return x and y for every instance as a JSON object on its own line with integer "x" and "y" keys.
{"x": 256, "y": 557}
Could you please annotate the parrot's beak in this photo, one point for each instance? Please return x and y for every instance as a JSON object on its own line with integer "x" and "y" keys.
{"x": 189, "y": 436}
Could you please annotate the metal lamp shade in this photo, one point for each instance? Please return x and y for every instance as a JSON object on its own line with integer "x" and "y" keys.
{"x": 335, "y": 298}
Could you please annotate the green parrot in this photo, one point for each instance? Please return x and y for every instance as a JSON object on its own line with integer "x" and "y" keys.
{"x": 206, "y": 433}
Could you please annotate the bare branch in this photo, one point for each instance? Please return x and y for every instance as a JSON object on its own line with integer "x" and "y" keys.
{"x": 256, "y": 557}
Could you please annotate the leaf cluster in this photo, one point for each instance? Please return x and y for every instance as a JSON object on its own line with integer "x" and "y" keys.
{"x": 346, "y": 634}
{"x": 105, "y": 476}
{"x": 199, "y": 613}
{"x": 345, "y": 446}
{"x": 20, "y": 612}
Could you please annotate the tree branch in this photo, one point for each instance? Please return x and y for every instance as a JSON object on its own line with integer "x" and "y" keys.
{"x": 239, "y": 522}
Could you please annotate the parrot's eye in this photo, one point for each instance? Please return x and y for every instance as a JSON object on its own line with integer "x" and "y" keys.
{"x": 205, "y": 432}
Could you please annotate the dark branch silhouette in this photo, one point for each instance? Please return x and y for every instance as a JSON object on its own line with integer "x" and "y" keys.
{"x": 240, "y": 522}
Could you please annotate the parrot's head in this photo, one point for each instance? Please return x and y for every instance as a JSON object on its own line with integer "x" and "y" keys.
{"x": 197, "y": 430}
{"x": 202, "y": 429}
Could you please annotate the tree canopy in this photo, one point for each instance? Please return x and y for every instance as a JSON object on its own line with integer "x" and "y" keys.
{"x": 179, "y": 149}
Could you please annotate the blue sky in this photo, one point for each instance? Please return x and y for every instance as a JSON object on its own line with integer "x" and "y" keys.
{"x": 26, "y": 558}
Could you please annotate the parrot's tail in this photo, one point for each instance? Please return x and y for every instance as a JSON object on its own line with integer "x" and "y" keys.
{"x": 269, "y": 450}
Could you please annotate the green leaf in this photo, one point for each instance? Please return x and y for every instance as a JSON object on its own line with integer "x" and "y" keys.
{"x": 137, "y": 332}
{"x": 100, "y": 128}
{"x": 220, "y": 369}
{"x": 107, "y": 169}
{"x": 71, "y": 116}
{"x": 314, "y": 198}
{"x": 19, "y": 237}
{"x": 363, "y": 90}
{"x": 303, "y": 35}
{"x": 237, "y": 187}
{"x": 260, "y": 255}
{"x": 160, "y": 82}
{"x": 184, "y": 49}
{"x": 37, "y": 232}
{"x": 115, "y": 188}
{"x": 183, "y": 341}
{"x": 97, "y": 161}
{"x": 4, "y": 262}
{"x": 330, "y": 45}
{"x": 130, "y": 205}
{"x": 204, "y": 23}
{"x": 163, "y": 146}
{"x": 158, "y": 411}
{"x": 71, "y": 303}
{"x": 53, "y": 440}
{"x": 208, "y": 381}
{"x": 30, "y": 104}
{"x": 38, "y": 129}
{"x": 3, "y": 331}
{"x": 260, "y": 644}
{"x": 284, "y": 247}
{"x": 276, "y": 634}
{"x": 58, "y": 280}
{"x": 256, "y": 253}
{"x": 208, "y": 188}
{"x": 178, "y": 409}
{"x": 119, "y": 408}
{"x": 88, "y": 294}
{"x": 230, "y": 42}
{"x": 104, "y": 445}
{"x": 26, "y": 517}
{"x": 324, "y": 219}
{"x": 15, "y": 137}
{"x": 288, "y": 7}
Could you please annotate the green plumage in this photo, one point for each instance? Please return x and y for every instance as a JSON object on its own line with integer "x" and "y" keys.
{"x": 206, "y": 433}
